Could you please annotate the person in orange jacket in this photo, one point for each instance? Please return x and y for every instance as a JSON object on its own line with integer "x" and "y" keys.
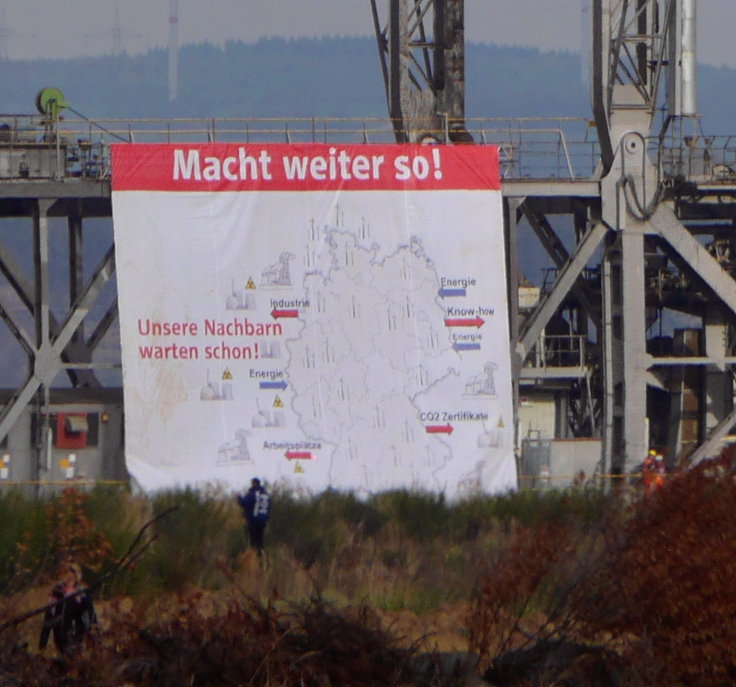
{"x": 652, "y": 472}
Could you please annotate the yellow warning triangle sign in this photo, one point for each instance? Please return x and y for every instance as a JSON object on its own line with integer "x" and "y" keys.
{"x": 500, "y": 422}
{"x": 298, "y": 467}
{"x": 227, "y": 374}
{"x": 277, "y": 403}
{"x": 251, "y": 284}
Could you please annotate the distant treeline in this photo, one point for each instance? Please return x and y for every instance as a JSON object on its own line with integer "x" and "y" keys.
{"x": 323, "y": 77}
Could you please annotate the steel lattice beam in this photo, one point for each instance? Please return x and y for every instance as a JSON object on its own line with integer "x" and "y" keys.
{"x": 421, "y": 46}
{"x": 53, "y": 347}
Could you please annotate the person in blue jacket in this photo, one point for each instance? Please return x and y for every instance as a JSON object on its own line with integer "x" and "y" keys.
{"x": 256, "y": 505}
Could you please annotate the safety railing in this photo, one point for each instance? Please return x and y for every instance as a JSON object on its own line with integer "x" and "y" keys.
{"x": 532, "y": 148}
{"x": 540, "y": 148}
{"x": 696, "y": 158}
{"x": 559, "y": 350}
{"x": 33, "y": 148}
{"x": 591, "y": 275}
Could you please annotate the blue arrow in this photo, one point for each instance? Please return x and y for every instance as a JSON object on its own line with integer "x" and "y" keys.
{"x": 273, "y": 385}
{"x": 451, "y": 293}
{"x": 466, "y": 346}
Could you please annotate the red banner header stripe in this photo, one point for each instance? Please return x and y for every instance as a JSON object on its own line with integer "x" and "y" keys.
{"x": 302, "y": 167}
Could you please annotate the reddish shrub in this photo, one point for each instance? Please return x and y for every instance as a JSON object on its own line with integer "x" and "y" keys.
{"x": 652, "y": 585}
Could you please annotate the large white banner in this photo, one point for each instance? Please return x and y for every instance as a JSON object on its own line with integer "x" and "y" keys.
{"x": 317, "y": 316}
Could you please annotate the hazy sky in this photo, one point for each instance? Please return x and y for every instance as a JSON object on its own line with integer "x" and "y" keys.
{"x": 67, "y": 28}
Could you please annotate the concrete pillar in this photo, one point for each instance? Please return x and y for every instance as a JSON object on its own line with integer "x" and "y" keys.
{"x": 718, "y": 400}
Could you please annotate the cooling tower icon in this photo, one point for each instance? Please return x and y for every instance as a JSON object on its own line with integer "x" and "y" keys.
{"x": 235, "y": 451}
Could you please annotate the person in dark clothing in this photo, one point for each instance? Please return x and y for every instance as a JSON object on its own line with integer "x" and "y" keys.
{"x": 256, "y": 505}
{"x": 70, "y": 614}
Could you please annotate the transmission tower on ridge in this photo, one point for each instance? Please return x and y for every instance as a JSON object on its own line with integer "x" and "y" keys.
{"x": 116, "y": 34}
{"x": 173, "y": 50}
{"x": 6, "y": 34}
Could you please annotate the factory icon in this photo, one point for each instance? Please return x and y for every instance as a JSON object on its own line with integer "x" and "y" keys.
{"x": 278, "y": 275}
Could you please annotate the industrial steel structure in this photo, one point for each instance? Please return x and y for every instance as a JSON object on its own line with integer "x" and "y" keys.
{"x": 631, "y": 337}
{"x": 645, "y": 285}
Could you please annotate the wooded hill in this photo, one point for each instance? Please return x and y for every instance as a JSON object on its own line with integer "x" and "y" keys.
{"x": 323, "y": 77}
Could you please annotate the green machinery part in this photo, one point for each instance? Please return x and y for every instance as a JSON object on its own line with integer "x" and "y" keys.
{"x": 50, "y": 102}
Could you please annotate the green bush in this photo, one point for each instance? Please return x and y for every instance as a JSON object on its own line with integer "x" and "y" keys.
{"x": 421, "y": 515}
{"x": 311, "y": 527}
{"x": 469, "y": 518}
{"x": 409, "y": 548}
{"x": 23, "y": 538}
{"x": 119, "y": 516}
{"x": 190, "y": 541}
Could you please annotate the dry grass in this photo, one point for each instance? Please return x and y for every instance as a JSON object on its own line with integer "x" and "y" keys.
{"x": 379, "y": 581}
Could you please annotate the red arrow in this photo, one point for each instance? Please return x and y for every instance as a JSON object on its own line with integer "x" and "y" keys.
{"x": 439, "y": 429}
{"x": 284, "y": 313}
{"x": 299, "y": 455}
{"x": 475, "y": 322}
